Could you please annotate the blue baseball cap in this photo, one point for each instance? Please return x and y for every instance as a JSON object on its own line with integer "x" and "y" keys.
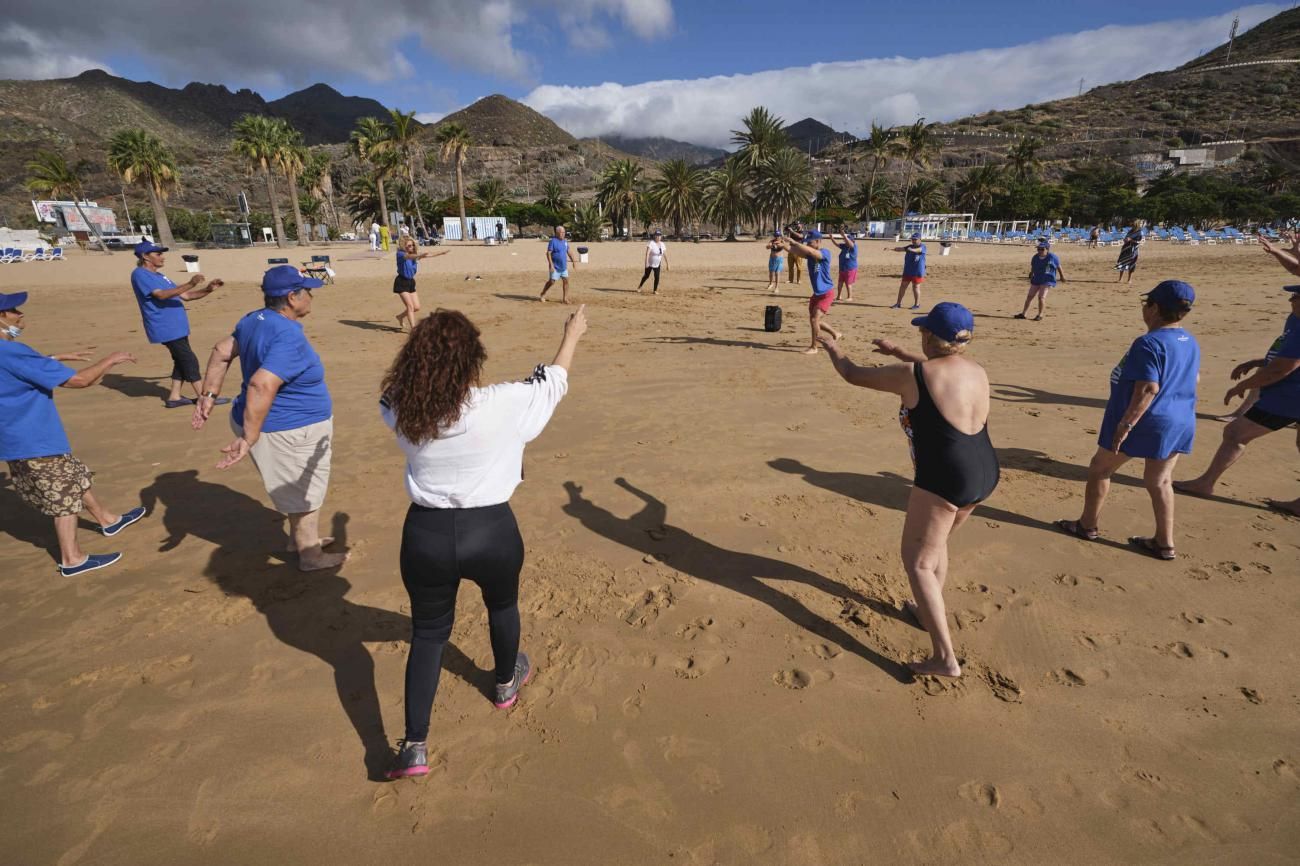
{"x": 776, "y": 234}
{"x": 1292, "y": 289}
{"x": 144, "y": 248}
{"x": 1044, "y": 245}
{"x": 812, "y": 235}
{"x": 1170, "y": 293}
{"x": 284, "y": 280}
{"x": 916, "y": 236}
{"x": 946, "y": 321}
{"x": 17, "y": 299}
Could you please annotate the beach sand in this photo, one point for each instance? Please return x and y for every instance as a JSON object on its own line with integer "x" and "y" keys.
{"x": 710, "y": 596}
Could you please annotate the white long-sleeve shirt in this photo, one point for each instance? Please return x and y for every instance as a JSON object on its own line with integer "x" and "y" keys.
{"x": 479, "y": 460}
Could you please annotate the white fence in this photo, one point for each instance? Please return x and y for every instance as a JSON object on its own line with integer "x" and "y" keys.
{"x": 480, "y": 228}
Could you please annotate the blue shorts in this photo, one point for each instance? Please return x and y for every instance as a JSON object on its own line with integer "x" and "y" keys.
{"x": 1041, "y": 286}
{"x": 775, "y": 266}
{"x": 560, "y": 275}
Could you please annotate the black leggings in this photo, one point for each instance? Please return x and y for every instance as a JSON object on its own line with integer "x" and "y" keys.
{"x": 439, "y": 547}
{"x": 185, "y": 367}
{"x": 646, "y": 276}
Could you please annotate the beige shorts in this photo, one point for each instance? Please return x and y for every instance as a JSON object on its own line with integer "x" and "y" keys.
{"x": 51, "y": 485}
{"x": 294, "y": 464}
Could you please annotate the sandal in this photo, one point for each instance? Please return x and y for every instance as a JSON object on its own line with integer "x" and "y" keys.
{"x": 1077, "y": 529}
{"x": 1018, "y": 316}
{"x": 1150, "y": 548}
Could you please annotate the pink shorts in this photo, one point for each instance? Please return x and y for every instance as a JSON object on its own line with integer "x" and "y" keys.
{"x": 821, "y": 302}
{"x": 848, "y": 278}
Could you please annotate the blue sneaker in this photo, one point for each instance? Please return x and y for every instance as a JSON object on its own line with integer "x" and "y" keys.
{"x": 90, "y": 563}
{"x": 124, "y": 521}
{"x": 509, "y": 693}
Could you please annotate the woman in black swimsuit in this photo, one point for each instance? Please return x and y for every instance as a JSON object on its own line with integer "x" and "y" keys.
{"x": 944, "y": 396}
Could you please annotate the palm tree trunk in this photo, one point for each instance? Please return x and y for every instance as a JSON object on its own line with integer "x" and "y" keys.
{"x": 415, "y": 198}
{"x": 907, "y": 189}
{"x": 275, "y": 208}
{"x": 162, "y": 228}
{"x": 328, "y": 185}
{"x": 460, "y": 197}
{"x": 383, "y": 201}
{"x": 871, "y": 193}
{"x": 297, "y": 210}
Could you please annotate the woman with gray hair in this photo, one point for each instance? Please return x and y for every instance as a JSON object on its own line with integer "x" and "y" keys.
{"x": 283, "y": 417}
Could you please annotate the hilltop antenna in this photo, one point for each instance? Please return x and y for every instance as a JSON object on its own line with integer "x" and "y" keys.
{"x": 1080, "y": 87}
{"x": 1232, "y": 35}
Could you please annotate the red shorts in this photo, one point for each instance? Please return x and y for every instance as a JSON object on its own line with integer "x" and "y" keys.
{"x": 821, "y": 302}
{"x": 914, "y": 280}
{"x": 849, "y": 277}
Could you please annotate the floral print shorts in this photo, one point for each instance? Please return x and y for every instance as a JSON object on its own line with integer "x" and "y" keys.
{"x": 52, "y": 485}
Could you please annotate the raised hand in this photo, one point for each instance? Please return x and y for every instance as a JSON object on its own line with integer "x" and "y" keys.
{"x": 83, "y": 355}
{"x": 576, "y": 324}
{"x": 202, "y": 410}
{"x": 120, "y": 358}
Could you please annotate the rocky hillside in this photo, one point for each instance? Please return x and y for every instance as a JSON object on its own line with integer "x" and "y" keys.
{"x": 498, "y": 121}
{"x": 661, "y": 149}
{"x": 813, "y": 136}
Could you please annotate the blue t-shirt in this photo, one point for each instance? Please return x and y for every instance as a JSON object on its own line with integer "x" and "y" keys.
{"x": 1171, "y": 358}
{"x": 559, "y": 251}
{"x": 406, "y": 267}
{"x": 849, "y": 257}
{"x": 29, "y": 422}
{"x": 164, "y": 321}
{"x": 1043, "y": 269}
{"x": 272, "y": 342}
{"x": 914, "y": 261}
{"x": 819, "y": 272}
{"x": 1283, "y": 397}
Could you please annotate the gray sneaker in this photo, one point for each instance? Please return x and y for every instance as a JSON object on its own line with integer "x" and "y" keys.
{"x": 412, "y": 760}
{"x": 509, "y": 693}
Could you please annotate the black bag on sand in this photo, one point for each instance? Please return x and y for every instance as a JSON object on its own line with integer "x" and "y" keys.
{"x": 772, "y": 318}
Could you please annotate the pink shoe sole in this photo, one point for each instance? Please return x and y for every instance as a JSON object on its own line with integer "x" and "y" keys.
{"x": 407, "y": 773}
{"x": 514, "y": 698}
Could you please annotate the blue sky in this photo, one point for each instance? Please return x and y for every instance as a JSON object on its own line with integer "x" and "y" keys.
{"x": 672, "y": 67}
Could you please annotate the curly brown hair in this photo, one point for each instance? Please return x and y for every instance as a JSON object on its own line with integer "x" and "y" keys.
{"x": 431, "y": 376}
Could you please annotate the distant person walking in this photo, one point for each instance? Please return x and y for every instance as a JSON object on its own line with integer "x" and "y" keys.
{"x": 1127, "y": 262}
{"x": 913, "y": 272}
{"x": 1277, "y": 378}
{"x": 944, "y": 412}
{"x": 283, "y": 417}
{"x": 464, "y": 446}
{"x": 374, "y": 237}
{"x": 165, "y": 319}
{"x": 1094, "y": 237}
{"x": 1151, "y": 414}
{"x": 1044, "y": 271}
{"x": 34, "y": 445}
{"x": 408, "y": 262}
{"x": 656, "y": 257}
{"x": 819, "y": 275}
{"x": 558, "y": 259}
{"x": 501, "y": 233}
{"x": 848, "y": 272}
{"x": 775, "y": 262}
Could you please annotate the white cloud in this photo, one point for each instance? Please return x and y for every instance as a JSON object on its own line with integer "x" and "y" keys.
{"x": 297, "y": 42}
{"x": 430, "y": 116}
{"x": 849, "y": 95}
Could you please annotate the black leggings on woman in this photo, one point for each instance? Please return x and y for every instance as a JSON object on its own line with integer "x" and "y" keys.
{"x": 439, "y": 547}
{"x": 646, "y": 276}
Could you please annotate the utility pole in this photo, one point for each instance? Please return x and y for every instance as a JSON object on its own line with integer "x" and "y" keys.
{"x": 1232, "y": 35}
{"x": 1080, "y": 87}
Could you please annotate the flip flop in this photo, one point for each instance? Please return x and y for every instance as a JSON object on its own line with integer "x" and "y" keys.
{"x": 1078, "y": 530}
{"x": 1150, "y": 548}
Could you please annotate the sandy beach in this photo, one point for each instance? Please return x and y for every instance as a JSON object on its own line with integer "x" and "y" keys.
{"x": 710, "y": 597}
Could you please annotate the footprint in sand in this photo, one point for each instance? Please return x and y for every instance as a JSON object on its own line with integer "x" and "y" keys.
{"x": 702, "y": 627}
{"x": 646, "y": 608}
{"x": 1202, "y": 619}
{"x": 1067, "y": 677}
{"x": 823, "y": 651}
{"x": 698, "y": 664}
{"x": 793, "y": 678}
{"x": 982, "y": 793}
{"x": 1251, "y": 695}
{"x": 1285, "y": 770}
{"x": 1004, "y": 688}
{"x": 632, "y": 704}
{"x": 1180, "y": 650}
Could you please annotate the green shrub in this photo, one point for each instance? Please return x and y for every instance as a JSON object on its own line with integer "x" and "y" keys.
{"x": 1161, "y": 105}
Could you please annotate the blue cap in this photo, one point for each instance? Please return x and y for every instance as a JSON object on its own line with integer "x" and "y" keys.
{"x": 1170, "y": 293}
{"x": 776, "y": 234}
{"x": 1044, "y": 245}
{"x": 946, "y": 321}
{"x": 284, "y": 280}
{"x": 12, "y": 302}
{"x": 1292, "y": 289}
{"x": 812, "y": 235}
{"x": 144, "y": 248}
{"x": 916, "y": 236}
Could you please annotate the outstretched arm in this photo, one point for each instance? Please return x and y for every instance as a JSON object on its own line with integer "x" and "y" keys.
{"x": 1272, "y": 372}
{"x": 893, "y": 350}
{"x": 894, "y": 378}
{"x": 95, "y": 372}
{"x": 1285, "y": 258}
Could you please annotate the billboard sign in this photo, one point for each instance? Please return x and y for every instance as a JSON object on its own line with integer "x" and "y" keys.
{"x": 64, "y": 214}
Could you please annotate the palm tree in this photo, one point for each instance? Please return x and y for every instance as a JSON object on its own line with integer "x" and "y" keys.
{"x": 873, "y": 195}
{"x": 138, "y": 157}
{"x": 312, "y": 209}
{"x": 52, "y": 176}
{"x": 930, "y": 194}
{"x": 619, "y": 192}
{"x": 403, "y": 139}
{"x": 676, "y": 193}
{"x": 784, "y": 185}
{"x": 828, "y": 194}
{"x": 587, "y": 223}
{"x": 760, "y": 140}
{"x": 291, "y": 158}
{"x": 916, "y": 144}
{"x": 368, "y": 143}
{"x": 1274, "y": 177}
{"x": 454, "y": 143}
{"x": 553, "y": 197}
{"x": 363, "y": 201}
{"x": 727, "y": 197}
{"x": 490, "y": 194}
{"x": 258, "y": 141}
{"x": 1024, "y": 157}
{"x": 879, "y": 147}
{"x": 979, "y": 186}
{"x": 316, "y": 180}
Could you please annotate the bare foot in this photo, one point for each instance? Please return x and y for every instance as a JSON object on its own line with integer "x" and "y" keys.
{"x": 838, "y": 335}
{"x": 933, "y": 667}
{"x": 1191, "y": 488}
{"x": 542, "y": 299}
{"x": 812, "y": 351}
{"x": 322, "y": 561}
{"x": 293, "y": 548}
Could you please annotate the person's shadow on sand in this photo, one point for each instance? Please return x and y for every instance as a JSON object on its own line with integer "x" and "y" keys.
{"x": 23, "y": 523}
{"x": 308, "y": 611}
{"x": 732, "y": 569}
